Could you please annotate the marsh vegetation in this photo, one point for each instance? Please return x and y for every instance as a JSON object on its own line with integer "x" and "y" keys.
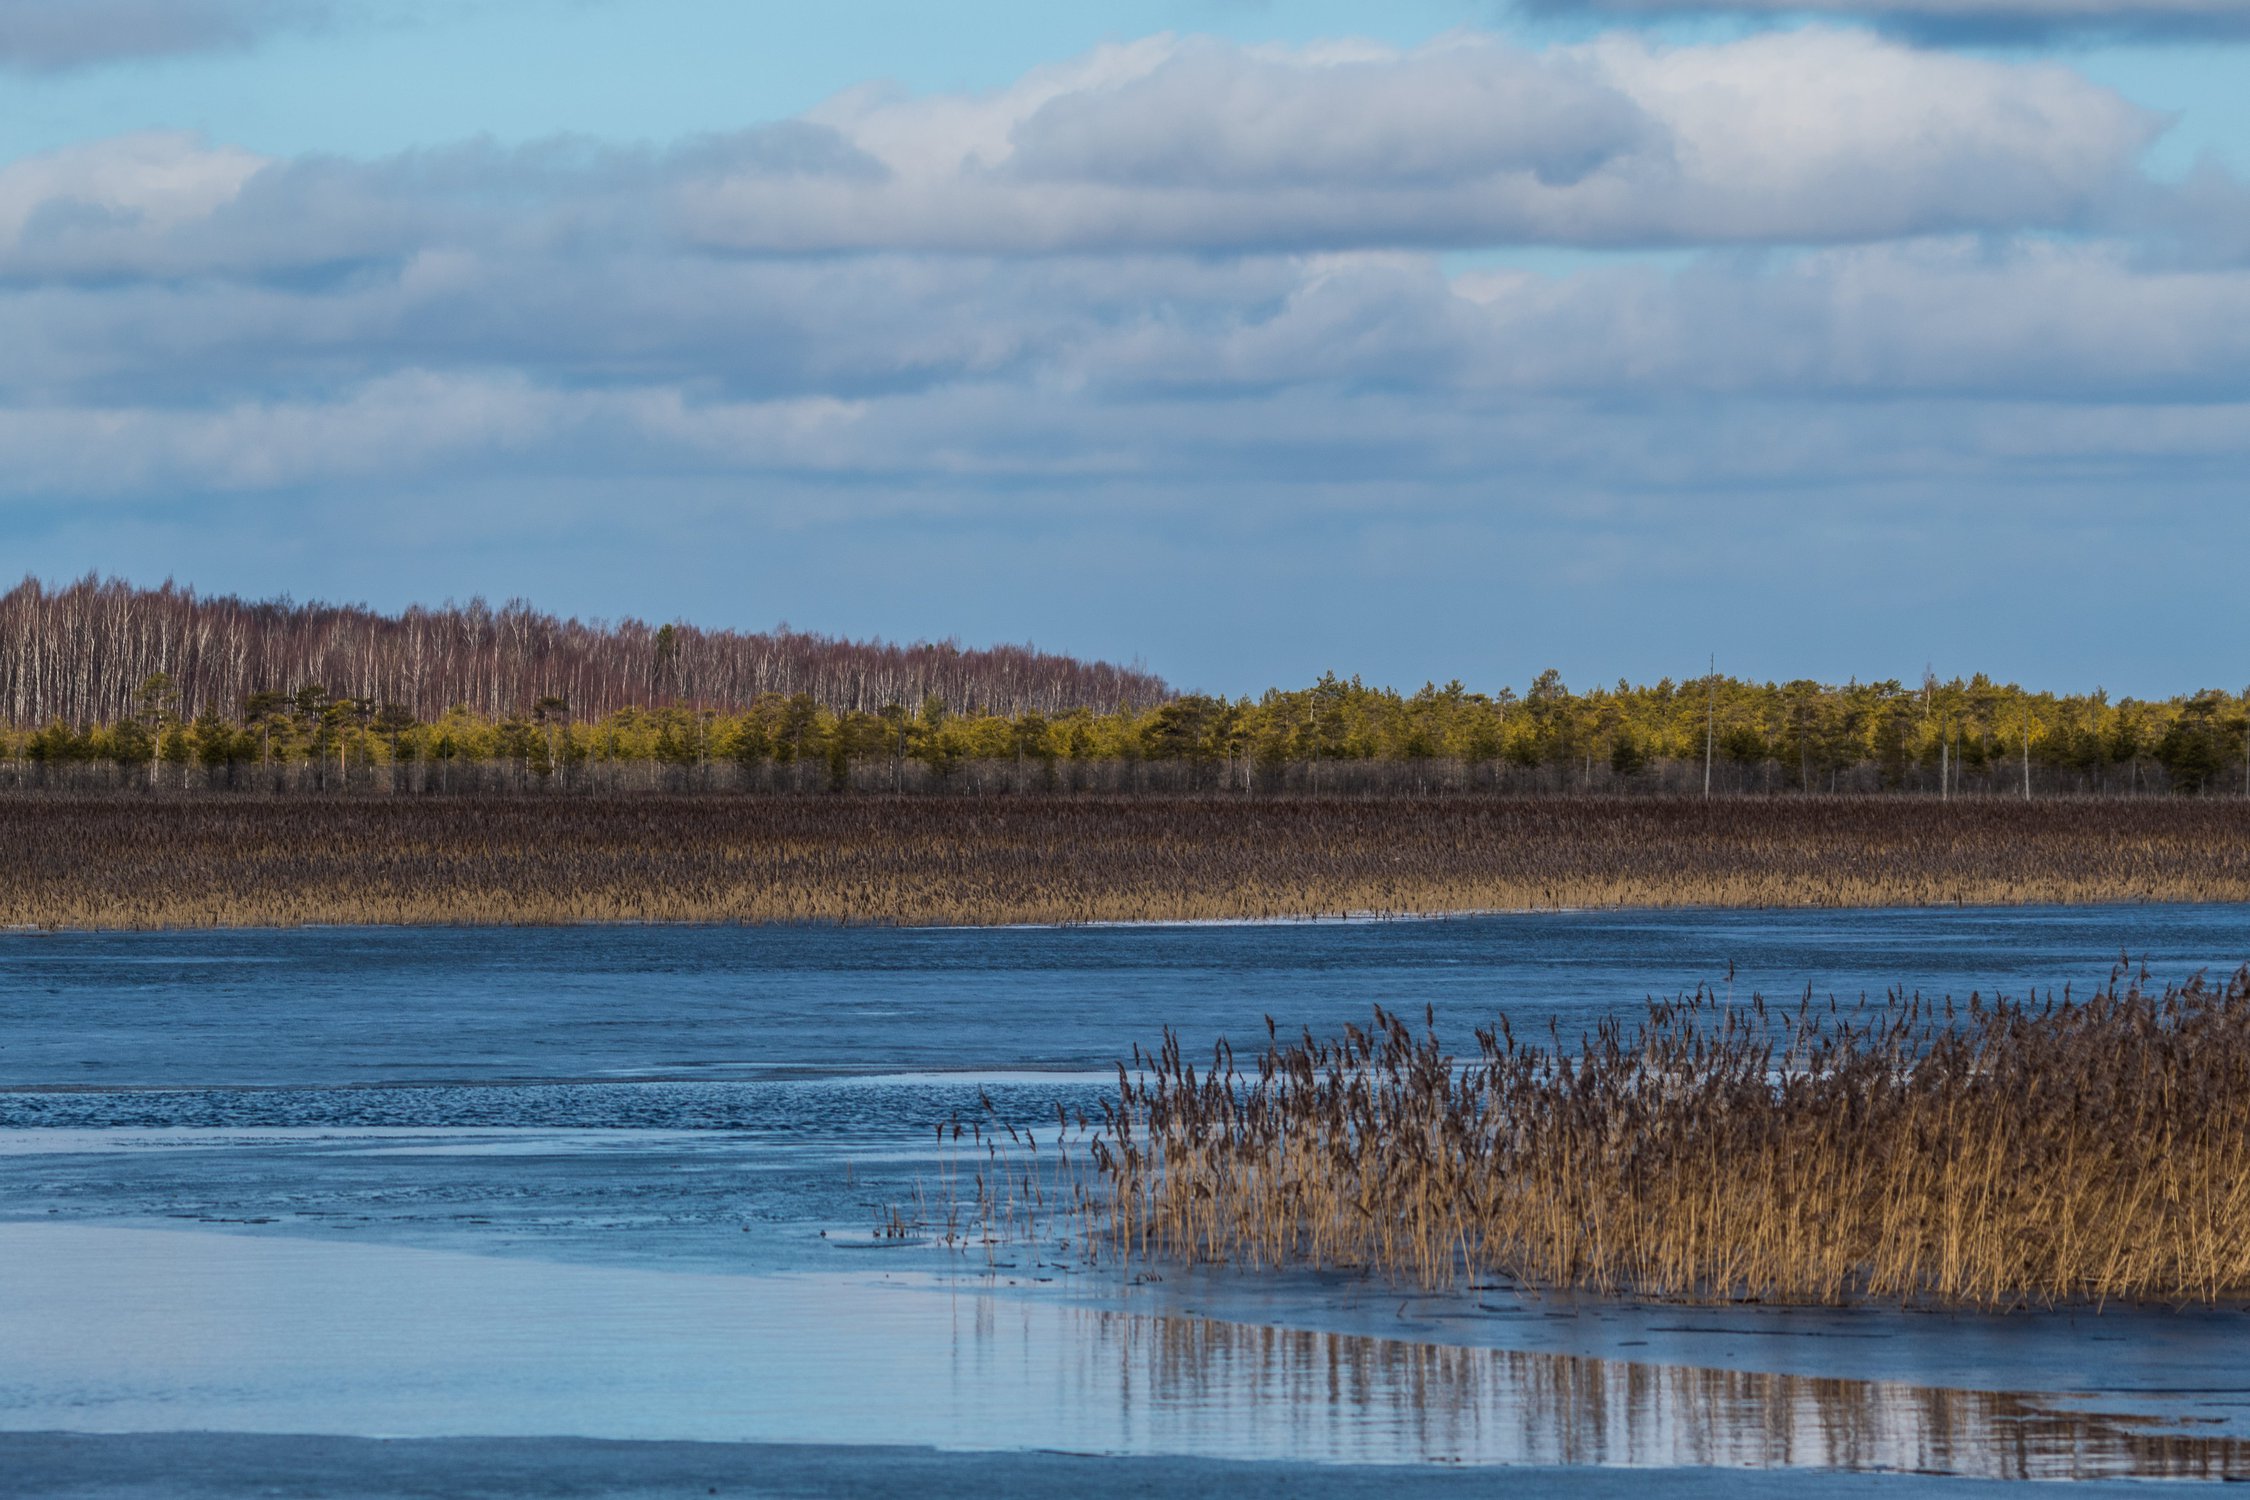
{"x": 107, "y": 862}
{"x": 1995, "y": 1154}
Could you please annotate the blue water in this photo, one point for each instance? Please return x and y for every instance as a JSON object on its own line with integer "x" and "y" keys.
{"x": 322, "y": 1007}
{"x": 660, "y": 1115}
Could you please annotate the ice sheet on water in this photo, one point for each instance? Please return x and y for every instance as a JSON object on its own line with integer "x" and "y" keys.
{"x": 115, "y": 1330}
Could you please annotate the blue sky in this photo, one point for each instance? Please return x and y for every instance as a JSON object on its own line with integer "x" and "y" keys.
{"x": 1419, "y": 340}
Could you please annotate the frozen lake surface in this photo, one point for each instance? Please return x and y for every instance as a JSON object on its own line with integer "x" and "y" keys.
{"x": 391, "y": 1005}
{"x": 618, "y": 1183}
{"x": 133, "y": 1330}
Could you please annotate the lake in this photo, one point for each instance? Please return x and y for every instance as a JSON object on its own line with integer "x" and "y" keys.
{"x": 622, "y": 1184}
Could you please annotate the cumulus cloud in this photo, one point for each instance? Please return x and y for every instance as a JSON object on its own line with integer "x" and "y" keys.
{"x": 868, "y": 372}
{"x": 1203, "y": 115}
{"x": 981, "y": 444}
{"x": 1965, "y": 317}
{"x": 52, "y": 35}
{"x": 1933, "y": 319}
{"x": 1184, "y": 145}
{"x": 1812, "y": 135}
{"x": 73, "y": 202}
{"x": 1158, "y": 269}
{"x": 1957, "y": 19}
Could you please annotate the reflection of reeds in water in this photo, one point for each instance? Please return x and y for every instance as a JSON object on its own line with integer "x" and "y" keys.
{"x": 193, "y": 861}
{"x": 1993, "y": 1155}
{"x": 1353, "y": 1397}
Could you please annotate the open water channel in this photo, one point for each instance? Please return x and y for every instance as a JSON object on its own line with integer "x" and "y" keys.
{"x": 613, "y": 1189}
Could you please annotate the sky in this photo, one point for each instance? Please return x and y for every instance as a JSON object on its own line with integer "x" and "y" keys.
{"x": 1421, "y": 340}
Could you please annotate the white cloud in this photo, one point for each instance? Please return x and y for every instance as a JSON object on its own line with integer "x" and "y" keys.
{"x": 1951, "y": 315}
{"x": 136, "y": 186}
{"x": 1172, "y": 265}
{"x": 1205, "y": 115}
{"x": 1179, "y": 303}
{"x": 1821, "y": 135}
{"x": 1940, "y": 359}
{"x": 981, "y": 444}
{"x": 393, "y": 426}
{"x": 1811, "y": 136}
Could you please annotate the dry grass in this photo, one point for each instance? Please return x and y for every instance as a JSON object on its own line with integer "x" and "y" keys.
{"x": 182, "y": 862}
{"x": 2001, "y": 1155}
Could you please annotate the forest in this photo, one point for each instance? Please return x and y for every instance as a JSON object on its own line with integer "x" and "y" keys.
{"x": 81, "y": 655}
{"x": 103, "y": 686}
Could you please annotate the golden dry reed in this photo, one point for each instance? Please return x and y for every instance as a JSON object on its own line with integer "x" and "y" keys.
{"x": 1999, "y": 1155}
{"x": 132, "y": 862}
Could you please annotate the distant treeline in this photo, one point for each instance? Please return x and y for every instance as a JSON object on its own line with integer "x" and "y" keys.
{"x": 1958, "y": 738}
{"x": 80, "y": 655}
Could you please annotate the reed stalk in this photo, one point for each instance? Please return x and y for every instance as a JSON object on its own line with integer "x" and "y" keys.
{"x": 136, "y": 862}
{"x": 1999, "y": 1155}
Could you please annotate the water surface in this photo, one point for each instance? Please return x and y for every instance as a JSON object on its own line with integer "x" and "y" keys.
{"x": 325, "y": 1006}
{"x": 621, "y": 1182}
{"x": 123, "y": 1330}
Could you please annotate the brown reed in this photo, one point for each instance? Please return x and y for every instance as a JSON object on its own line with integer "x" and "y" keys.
{"x": 1996, "y": 1155}
{"x": 141, "y": 862}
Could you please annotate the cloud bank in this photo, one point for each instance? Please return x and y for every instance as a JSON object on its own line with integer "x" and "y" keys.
{"x": 1061, "y": 278}
{"x": 1186, "y": 146}
{"x": 56, "y": 35}
{"x": 1169, "y": 288}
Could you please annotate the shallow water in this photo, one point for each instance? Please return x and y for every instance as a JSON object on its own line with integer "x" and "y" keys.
{"x": 621, "y": 1182}
{"x": 392, "y": 1005}
{"x": 123, "y": 1330}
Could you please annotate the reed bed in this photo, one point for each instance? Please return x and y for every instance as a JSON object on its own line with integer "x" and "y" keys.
{"x": 1995, "y": 1155}
{"x": 140, "y": 862}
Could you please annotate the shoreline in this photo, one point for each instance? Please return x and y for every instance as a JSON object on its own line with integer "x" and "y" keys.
{"x": 193, "y": 1465}
{"x": 1113, "y": 924}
